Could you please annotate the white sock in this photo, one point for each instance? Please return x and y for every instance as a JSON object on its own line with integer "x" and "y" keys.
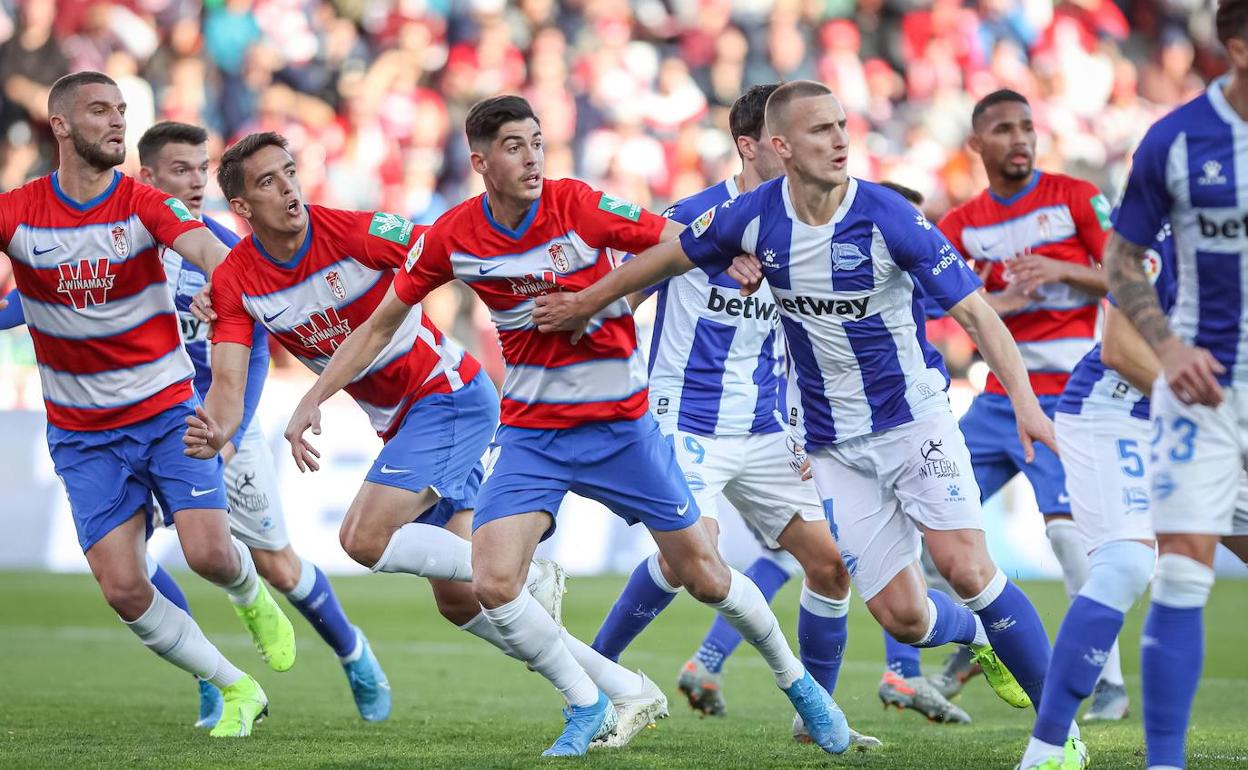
{"x": 428, "y": 551}
{"x": 1068, "y": 548}
{"x": 305, "y": 583}
{"x": 481, "y": 627}
{"x": 981, "y": 635}
{"x": 246, "y": 587}
{"x": 1112, "y": 672}
{"x": 1038, "y": 751}
{"x": 746, "y": 610}
{"x": 535, "y": 639}
{"x": 175, "y": 636}
{"x": 612, "y": 678}
{"x": 656, "y": 574}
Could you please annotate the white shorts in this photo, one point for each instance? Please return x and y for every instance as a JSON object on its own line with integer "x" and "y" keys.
{"x": 879, "y": 487}
{"x": 1108, "y": 473}
{"x": 757, "y": 473}
{"x": 1199, "y": 456}
{"x": 251, "y": 485}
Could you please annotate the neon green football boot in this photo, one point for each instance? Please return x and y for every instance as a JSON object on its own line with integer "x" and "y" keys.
{"x": 1000, "y": 679}
{"x": 1074, "y": 757}
{"x": 270, "y": 630}
{"x": 245, "y": 706}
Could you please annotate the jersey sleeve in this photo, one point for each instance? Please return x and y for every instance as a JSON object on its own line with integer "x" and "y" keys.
{"x": 385, "y": 239}
{"x": 164, "y": 216}
{"x": 718, "y": 236}
{"x": 1146, "y": 201}
{"x": 1091, "y": 212}
{"x": 12, "y": 205}
{"x": 232, "y": 324}
{"x": 11, "y": 315}
{"x": 607, "y": 222}
{"x": 923, "y": 251}
{"x": 426, "y": 267}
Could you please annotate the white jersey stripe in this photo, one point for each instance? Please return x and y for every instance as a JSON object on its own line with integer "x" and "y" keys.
{"x": 119, "y": 387}
{"x": 587, "y": 382}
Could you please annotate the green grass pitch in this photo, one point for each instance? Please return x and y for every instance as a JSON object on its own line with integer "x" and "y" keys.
{"x": 79, "y": 691}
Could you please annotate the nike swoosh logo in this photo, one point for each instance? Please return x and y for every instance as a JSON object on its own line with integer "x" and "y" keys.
{"x": 38, "y": 252}
{"x": 680, "y": 510}
{"x": 487, "y": 270}
{"x": 387, "y": 469}
{"x": 269, "y": 318}
{"x": 201, "y": 492}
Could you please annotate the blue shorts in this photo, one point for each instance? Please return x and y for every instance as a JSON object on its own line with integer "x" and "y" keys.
{"x": 997, "y": 454}
{"x": 627, "y": 465}
{"x": 110, "y": 474}
{"x": 439, "y": 444}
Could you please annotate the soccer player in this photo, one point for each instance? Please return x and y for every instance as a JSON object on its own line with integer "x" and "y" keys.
{"x": 714, "y": 391}
{"x": 117, "y": 384}
{"x": 1188, "y": 171}
{"x": 310, "y": 276}
{"x": 842, "y": 257}
{"x": 1036, "y": 238}
{"x": 574, "y": 416}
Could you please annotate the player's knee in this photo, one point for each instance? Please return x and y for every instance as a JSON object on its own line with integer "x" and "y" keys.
{"x": 281, "y": 570}
{"x": 457, "y": 602}
{"x": 494, "y": 590}
{"x": 828, "y": 577}
{"x": 1119, "y": 573}
{"x": 360, "y": 544}
{"x": 906, "y": 623}
{"x": 970, "y": 577}
{"x": 1181, "y": 581}
{"x": 129, "y": 597}
{"x": 215, "y": 561}
{"x": 706, "y": 578}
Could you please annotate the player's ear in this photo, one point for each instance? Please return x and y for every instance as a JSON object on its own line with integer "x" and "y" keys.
{"x": 973, "y": 142}
{"x": 747, "y": 148}
{"x": 145, "y": 176}
{"x": 1237, "y": 52}
{"x": 60, "y": 127}
{"x": 781, "y": 146}
{"x": 240, "y": 207}
{"x": 478, "y": 162}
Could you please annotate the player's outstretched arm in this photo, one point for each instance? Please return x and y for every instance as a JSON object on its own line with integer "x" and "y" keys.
{"x": 571, "y": 311}
{"x": 1191, "y": 372}
{"x": 1001, "y": 354}
{"x": 355, "y": 353}
{"x": 1126, "y": 352}
{"x": 204, "y": 249}
{"x": 214, "y": 423}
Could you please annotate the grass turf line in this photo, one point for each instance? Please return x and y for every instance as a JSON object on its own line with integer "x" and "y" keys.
{"x": 79, "y": 691}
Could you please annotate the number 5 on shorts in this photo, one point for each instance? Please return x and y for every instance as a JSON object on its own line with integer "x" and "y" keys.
{"x": 1132, "y": 462}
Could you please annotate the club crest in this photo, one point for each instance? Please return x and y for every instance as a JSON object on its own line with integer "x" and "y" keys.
{"x": 335, "y": 284}
{"x": 558, "y": 259}
{"x": 120, "y": 245}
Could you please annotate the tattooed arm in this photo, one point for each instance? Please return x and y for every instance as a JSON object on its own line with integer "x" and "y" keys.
{"x": 1191, "y": 372}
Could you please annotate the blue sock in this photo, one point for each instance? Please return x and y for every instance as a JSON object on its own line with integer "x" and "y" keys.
{"x": 1015, "y": 633}
{"x": 1171, "y": 656}
{"x": 722, "y": 639}
{"x": 1086, "y": 636}
{"x": 169, "y": 589}
{"x": 822, "y": 629}
{"x": 902, "y": 659}
{"x": 315, "y": 599}
{"x": 954, "y": 623}
{"x": 641, "y": 601}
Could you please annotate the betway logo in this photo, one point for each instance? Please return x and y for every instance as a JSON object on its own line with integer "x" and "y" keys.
{"x": 853, "y": 309}
{"x": 1227, "y": 228}
{"x": 745, "y": 307}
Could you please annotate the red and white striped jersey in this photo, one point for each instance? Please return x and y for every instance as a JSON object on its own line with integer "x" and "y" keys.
{"x": 1058, "y": 217}
{"x": 95, "y": 298}
{"x": 560, "y": 245}
{"x": 335, "y": 281}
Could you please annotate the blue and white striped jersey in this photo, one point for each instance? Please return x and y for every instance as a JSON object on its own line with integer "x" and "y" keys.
{"x": 1192, "y": 169}
{"x": 713, "y": 365}
{"x": 1094, "y": 388}
{"x": 185, "y": 281}
{"x": 846, "y": 295}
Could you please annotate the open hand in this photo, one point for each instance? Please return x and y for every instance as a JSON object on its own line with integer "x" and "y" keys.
{"x": 747, "y": 271}
{"x": 307, "y": 415}
{"x": 201, "y": 304}
{"x": 1034, "y": 426}
{"x": 1191, "y": 372}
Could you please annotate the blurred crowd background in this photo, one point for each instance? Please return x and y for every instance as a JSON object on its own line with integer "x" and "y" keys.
{"x": 633, "y": 96}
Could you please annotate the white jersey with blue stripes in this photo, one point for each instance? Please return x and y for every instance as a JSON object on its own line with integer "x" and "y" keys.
{"x": 713, "y": 364}
{"x": 845, "y": 290}
{"x": 1192, "y": 169}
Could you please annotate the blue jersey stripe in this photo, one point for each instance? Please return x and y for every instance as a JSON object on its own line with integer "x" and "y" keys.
{"x": 704, "y": 381}
{"x": 1221, "y": 301}
{"x": 768, "y": 383}
{"x": 876, "y": 352}
{"x": 815, "y": 407}
{"x": 656, "y": 335}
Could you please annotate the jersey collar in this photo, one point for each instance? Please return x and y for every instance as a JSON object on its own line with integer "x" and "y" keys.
{"x": 730, "y": 184}
{"x": 841, "y": 210}
{"x": 89, "y": 204}
{"x": 299, "y": 255}
{"x": 1217, "y": 98}
{"x": 521, "y": 229}
{"x": 1016, "y": 197}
